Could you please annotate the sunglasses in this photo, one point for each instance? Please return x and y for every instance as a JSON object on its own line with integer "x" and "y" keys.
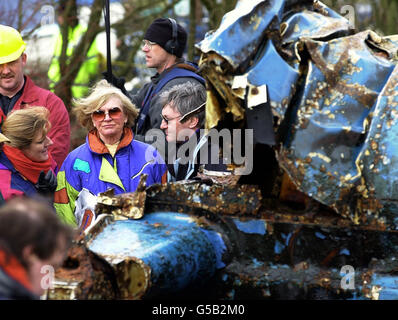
{"x": 114, "y": 113}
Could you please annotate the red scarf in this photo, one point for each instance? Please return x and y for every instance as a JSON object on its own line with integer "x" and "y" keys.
{"x": 26, "y": 167}
{"x": 14, "y": 269}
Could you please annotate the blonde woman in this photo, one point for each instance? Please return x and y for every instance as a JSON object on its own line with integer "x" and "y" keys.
{"x": 26, "y": 166}
{"x": 110, "y": 158}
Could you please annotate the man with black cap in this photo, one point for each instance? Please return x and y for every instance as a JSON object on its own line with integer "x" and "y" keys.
{"x": 164, "y": 43}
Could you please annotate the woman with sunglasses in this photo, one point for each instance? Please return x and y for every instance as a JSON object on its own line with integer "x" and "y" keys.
{"x": 26, "y": 166}
{"x": 110, "y": 158}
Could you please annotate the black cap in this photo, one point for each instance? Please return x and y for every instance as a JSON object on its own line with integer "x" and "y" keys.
{"x": 161, "y": 31}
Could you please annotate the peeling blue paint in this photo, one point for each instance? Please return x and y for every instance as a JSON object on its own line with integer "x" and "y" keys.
{"x": 320, "y": 235}
{"x": 287, "y": 238}
{"x": 218, "y": 245}
{"x": 345, "y": 251}
{"x": 171, "y": 244}
{"x": 257, "y": 263}
{"x": 251, "y": 226}
{"x": 279, "y": 247}
{"x": 236, "y": 43}
{"x": 388, "y": 284}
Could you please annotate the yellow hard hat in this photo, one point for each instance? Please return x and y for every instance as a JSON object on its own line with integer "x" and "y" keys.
{"x": 11, "y": 44}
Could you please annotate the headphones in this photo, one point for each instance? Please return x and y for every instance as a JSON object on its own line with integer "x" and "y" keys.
{"x": 172, "y": 45}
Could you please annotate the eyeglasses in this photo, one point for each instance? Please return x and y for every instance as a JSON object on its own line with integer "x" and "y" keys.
{"x": 167, "y": 120}
{"x": 185, "y": 116}
{"x": 114, "y": 113}
{"x": 148, "y": 44}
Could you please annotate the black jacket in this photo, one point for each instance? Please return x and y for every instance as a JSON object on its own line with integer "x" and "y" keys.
{"x": 206, "y": 153}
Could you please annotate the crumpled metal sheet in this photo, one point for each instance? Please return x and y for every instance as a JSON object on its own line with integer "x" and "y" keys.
{"x": 238, "y": 46}
{"x": 331, "y": 153}
{"x": 339, "y": 99}
{"x": 280, "y": 78}
{"x": 126, "y": 205}
{"x": 182, "y": 196}
{"x": 242, "y": 29}
{"x": 315, "y": 25}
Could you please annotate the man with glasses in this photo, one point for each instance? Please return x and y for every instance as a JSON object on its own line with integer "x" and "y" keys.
{"x": 182, "y": 121}
{"x": 163, "y": 45}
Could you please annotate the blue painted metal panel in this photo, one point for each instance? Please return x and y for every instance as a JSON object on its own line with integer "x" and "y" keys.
{"x": 242, "y": 29}
{"x": 314, "y": 25}
{"x": 251, "y": 226}
{"x": 388, "y": 286}
{"x": 338, "y": 92}
{"x": 342, "y": 87}
{"x": 270, "y": 69}
{"x": 380, "y": 152}
{"x": 177, "y": 251}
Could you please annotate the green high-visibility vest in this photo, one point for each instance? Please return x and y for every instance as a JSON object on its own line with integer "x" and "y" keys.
{"x": 89, "y": 69}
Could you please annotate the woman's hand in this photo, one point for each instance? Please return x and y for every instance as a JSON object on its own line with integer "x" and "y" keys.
{"x": 47, "y": 183}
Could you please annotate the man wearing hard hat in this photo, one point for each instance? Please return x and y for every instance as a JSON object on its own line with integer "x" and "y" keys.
{"x": 17, "y": 91}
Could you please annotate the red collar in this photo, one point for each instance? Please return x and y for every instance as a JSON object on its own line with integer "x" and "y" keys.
{"x": 29, "y": 96}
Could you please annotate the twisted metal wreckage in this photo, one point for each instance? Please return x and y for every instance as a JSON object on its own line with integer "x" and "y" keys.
{"x": 323, "y": 101}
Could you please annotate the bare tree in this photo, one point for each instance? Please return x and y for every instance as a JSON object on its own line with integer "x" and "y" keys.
{"x": 130, "y": 30}
{"x": 25, "y": 15}
{"x": 22, "y": 14}
{"x": 217, "y": 9}
{"x": 138, "y": 15}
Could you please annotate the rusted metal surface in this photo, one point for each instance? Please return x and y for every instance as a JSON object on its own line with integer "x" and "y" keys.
{"x": 189, "y": 196}
{"x": 282, "y": 260}
{"x": 233, "y": 55}
{"x": 236, "y": 42}
{"x": 309, "y": 282}
{"x": 126, "y": 205}
{"x": 162, "y": 252}
{"x": 270, "y": 255}
{"x": 329, "y": 155}
{"x": 83, "y": 276}
{"x": 333, "y": 94}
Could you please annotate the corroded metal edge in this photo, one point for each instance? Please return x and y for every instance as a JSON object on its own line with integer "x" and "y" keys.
{"x": 132, "y": 274}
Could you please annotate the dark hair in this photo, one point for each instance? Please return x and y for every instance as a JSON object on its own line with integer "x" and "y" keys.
{"x": 26, "y": 221}
{"x": 71, "y": 14}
